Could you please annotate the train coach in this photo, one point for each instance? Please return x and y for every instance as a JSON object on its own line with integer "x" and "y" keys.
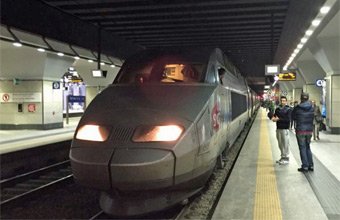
{"x": 153, "y": 137}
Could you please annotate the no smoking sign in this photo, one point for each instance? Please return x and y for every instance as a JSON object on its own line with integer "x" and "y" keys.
{"x": 5, "y": 97}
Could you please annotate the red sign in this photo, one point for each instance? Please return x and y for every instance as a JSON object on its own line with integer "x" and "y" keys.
{"x": 31, "y": 107}
{"x": 5, "y": 97}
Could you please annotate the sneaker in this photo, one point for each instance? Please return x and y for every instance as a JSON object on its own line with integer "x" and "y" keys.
{"x": 302, "y": 170}
{"x": 311, "y": 168}
{"x": 279, "y": 161}
{"x": 284, "y": 162}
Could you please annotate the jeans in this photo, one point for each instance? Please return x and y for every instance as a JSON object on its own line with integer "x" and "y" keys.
{"x": 305, "y": 152}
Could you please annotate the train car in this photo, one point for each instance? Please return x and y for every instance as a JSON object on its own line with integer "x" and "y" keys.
{"x": 152, "y": 138}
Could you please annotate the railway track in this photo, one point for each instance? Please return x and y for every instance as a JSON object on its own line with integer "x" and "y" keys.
{"x": 25, "y": 185}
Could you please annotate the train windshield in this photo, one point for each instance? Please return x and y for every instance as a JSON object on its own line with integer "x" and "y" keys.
{"x": 160, "y": 69}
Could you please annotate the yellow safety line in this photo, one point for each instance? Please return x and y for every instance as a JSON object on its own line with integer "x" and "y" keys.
{"x": 267, "y": 202}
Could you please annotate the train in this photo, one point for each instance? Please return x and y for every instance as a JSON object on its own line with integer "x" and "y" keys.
{"x": 153, "y": 137}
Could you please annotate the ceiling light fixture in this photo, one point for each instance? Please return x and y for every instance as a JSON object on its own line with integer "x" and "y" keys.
{"x": 309, "y": 32}
{"x": 304, "y": 40}
{"x": 316, "y": 22}
{"x": 17, "y": 44}
{"x": 60, "y": 54}
{"x": 324, "y": 9}
{"x": 41, "y": 49}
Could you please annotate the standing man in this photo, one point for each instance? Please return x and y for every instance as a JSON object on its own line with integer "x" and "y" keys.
{"x": 303, "y": 114}
{"x": 282, "y": 118}
{"x": 317, "y": 120}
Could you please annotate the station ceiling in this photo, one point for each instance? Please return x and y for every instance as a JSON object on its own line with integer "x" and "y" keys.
{"x": 252, "y": 33}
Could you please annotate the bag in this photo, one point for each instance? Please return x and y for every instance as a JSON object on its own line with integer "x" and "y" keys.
{"x": 318, "y": 118}
{"x": 322, "y": 127}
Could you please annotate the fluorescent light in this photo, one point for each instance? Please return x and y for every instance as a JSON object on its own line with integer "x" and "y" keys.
{"x": 296, "y": 50}
{"x": 60, "y": 54}
{"x": 112, "y": 65}
{"x": 76, "y": 57}
{"x": 303, "y": 40}
{"x": 299, "y": 46}
{"x": 90, "y": 61}
{"x": 267, "y": 86}
{"x": 17, "y": 44}
{"x": 284, "y": 68}
{"x": 102, "y": 63}
{"x": 309, "y": 32}
{"x": 325, "y": 9}
{"x": 41, "y": 49}
{"x": 316, "y": 22}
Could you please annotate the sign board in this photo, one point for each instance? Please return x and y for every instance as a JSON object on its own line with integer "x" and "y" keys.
{"x": 290, "y": 76}
{"x": 271, "y": 70}
{"x": 320, "y": 83}
{"x": 72, "y": 99}
{"x": 20, "y": 97}
{"x": 55, "y": 85}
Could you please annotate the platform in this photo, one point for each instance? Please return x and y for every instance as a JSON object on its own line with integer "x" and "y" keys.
{"x": 259, "y": 188}
{"x": 14, "y": 140}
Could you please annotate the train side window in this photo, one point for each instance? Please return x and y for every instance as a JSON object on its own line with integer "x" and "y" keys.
{"x": 239, "y": 104}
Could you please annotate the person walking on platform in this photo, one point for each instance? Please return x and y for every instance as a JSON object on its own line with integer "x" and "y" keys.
{"x": 303, "y": 114}
{"x": 282, "y": 118}
{"x": 317, "y": 121}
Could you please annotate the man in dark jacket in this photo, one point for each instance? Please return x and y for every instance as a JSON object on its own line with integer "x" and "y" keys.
{"x": 303, "y": 114}
{"x": 282, "y": 118}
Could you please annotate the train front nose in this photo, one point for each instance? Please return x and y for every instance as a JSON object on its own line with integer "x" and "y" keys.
{"x": 119, "y": 163}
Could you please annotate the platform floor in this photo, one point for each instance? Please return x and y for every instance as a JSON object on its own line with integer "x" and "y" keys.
{"x": 259, "y": 188}
{"x": 14, "y": 140}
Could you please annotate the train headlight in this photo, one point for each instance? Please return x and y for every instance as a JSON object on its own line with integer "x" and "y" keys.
{"x": 93, "y": 133}
{"x": 157, "y": 133}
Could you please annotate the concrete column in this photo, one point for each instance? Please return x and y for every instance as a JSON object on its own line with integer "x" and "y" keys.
{"x": 326, "y": 51}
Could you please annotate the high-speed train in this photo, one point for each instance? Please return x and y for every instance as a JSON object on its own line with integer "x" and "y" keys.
{"x": 152, "y": 138}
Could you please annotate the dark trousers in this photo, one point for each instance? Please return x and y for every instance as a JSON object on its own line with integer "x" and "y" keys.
{"x": 305, "y": 151}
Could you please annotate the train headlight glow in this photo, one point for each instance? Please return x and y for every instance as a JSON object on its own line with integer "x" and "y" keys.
{"x": 157, "y": 133}
{"x": 93, "y": 133}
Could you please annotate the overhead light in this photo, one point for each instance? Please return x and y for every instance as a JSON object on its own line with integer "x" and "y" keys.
{"x": 102, "y": 63}
{"x": 324, "y": 9}
{"x": 41, "y": 49}
{"x": 112, "y": 65}
{"x": 285, "y": 68}
{"x": 316, "y": 22}
{"x": 60, "y": 54}
{"x": 296, "y": 50}
{"x": 267, "y": 86}
{"x": 76, "y": 57}
{"x": 303, "y": 40}
{"x": 90, "y": 61}
{"x": 17, "y": 44}
{"x": 309, "y": 32}
{"x": 299, "y": 46}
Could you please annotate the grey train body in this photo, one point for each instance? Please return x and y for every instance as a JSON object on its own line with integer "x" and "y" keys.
{"x": 138, "y": 176}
